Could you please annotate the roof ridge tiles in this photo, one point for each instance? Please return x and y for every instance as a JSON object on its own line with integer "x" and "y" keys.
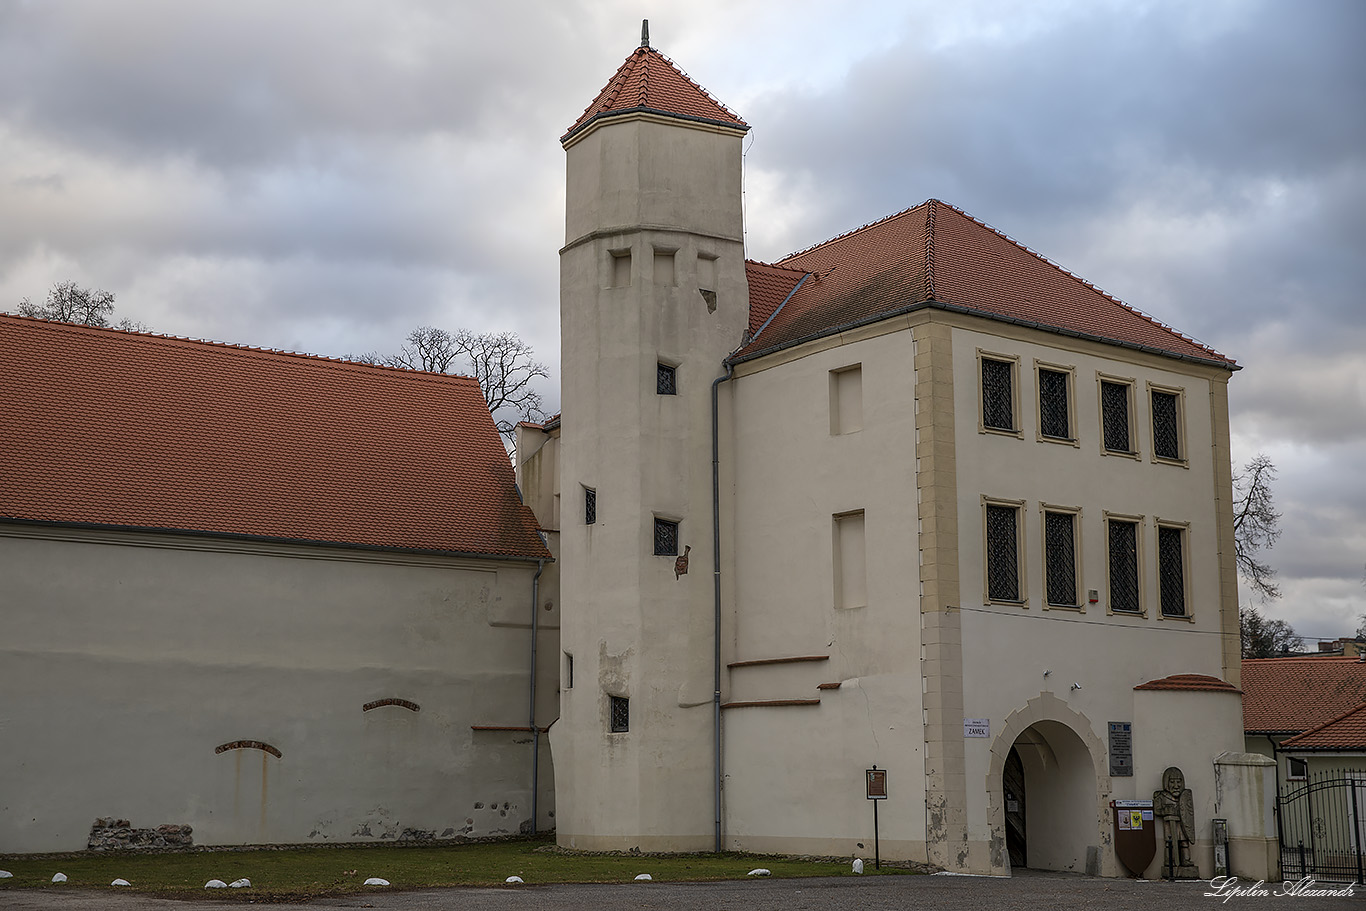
{"x": 759, "y": 262}
{"x": 850, "y": 233}
{"x": 929, "y": 248}
{"x": 236, "y": 346}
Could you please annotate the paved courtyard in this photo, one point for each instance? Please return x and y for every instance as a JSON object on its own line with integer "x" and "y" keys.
{"x": 892, "y": 893}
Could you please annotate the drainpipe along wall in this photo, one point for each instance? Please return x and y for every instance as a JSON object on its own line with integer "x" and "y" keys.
{"x": 716, "y": 589}
{"x": 531, "y": 701}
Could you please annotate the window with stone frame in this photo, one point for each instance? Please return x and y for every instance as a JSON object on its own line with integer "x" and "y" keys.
{"x": 998, "y": 394}
{"x": 1171, "y": 570}
{"x": 619, "y": 710}
{"x": 1166, "y": 408}
{"x": 1122, "y": 542}
{"x": 1116, "y": 428}
{"x": 666, "y": 538}
{"x": 1060, "y": 558}
{"x": 1055, "y": 405}
{"x": 1002, "y": 552}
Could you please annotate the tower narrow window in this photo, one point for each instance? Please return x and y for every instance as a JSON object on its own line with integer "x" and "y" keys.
{"x": 666, "y": 380}
{"x": 619, "y": 711}
{"x": 590, "y": 506}
{"x": 666, "y": 538}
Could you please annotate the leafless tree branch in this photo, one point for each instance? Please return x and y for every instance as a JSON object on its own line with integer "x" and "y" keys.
{"x": 1255, "y": 523}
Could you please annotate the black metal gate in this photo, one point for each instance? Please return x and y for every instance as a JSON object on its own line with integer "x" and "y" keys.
{"x": 1321, "y": 823}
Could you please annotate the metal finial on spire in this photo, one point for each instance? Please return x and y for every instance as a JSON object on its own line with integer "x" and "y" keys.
{"x": 645, "y": 33}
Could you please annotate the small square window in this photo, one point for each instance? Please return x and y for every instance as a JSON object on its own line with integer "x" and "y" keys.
{"x": 1114, "y": 417}
{"x": 666, "y": 382}
{"x": 620, "y": 711}
{"x": 1296, "y": 769}
{"x": 998, "y": 395}
{"x": 666, "y": 538}
{"x": 590, "y": 506}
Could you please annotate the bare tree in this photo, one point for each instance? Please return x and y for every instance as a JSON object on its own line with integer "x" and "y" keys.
{"x": 1263, "y": 638}
{"x": 68, "y": 302}
{"x": 1255, "y": 523}
{"x": 501, "y": 362}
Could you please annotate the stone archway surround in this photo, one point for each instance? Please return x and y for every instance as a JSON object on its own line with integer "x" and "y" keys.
{"x": 1047, "y": 707}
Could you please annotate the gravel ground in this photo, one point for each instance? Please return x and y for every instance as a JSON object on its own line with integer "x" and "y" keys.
{"x": 969, "y": 893}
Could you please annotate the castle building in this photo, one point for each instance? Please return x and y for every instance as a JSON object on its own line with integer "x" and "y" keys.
{"x": 913, "y": 499}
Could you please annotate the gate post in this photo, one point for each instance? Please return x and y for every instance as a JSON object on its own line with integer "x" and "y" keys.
{"x": 1356, "y": 827}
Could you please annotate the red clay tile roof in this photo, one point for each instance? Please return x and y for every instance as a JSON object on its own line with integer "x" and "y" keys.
{"x": 769, "y": 286}
{"x": 1291, "y": 695}
{"x": 1196, "y": 682}
{"x": 649, "y": 81}
{"x": 938, "y": 255}
{"x": 124, "y": 429}
{"x": 1345, "y": 732}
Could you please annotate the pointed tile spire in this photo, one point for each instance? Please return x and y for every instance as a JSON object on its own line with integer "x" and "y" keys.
{"x": 649, "y": 82}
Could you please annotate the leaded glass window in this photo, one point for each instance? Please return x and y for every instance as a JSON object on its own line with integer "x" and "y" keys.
{"x": 1114, "y": 415}
{"x": 1171, "y": 570}
{"x": 666, "y": 538}
{"x": 1060, "y": 557}
{"x": 1003, "y": 553}
{"x": 1123, "y": 566}
{"x": 666, "y": 381}
{"x": 590, "y": 506}
{"x": 1055, "y": 419}
{"x": 1166, "y": 429}
{"x": 620, "y": 711}
{"x": 998, "y": 401}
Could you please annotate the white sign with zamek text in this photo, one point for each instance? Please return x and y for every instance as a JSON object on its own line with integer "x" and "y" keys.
{"x": 976, "y": 727}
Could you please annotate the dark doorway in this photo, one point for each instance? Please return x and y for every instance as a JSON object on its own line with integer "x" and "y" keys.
{"x": 1013, "y": 781}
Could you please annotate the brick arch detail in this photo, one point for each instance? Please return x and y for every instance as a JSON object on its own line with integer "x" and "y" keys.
{"x": 1046, "y": 707}
{"x": 249, "y": 745}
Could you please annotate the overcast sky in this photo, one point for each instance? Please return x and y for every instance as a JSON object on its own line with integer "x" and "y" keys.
{"x": 325, "y": 176}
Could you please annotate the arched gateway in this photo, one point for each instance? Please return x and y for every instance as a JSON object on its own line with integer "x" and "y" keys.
{"x": 1046, "y": 801}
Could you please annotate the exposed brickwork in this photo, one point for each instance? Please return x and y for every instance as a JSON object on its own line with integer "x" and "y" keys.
{"x": 403, "y": 703}
{"x": 250, "y": 745}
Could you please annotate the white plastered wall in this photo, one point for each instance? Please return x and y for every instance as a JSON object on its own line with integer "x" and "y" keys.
{"x": 129, "y": 659}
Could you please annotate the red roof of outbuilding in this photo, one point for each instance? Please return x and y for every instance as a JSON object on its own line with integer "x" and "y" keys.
{"x": 1345, "y": 732}
{"x": 110, "y": 428}
{"x": 938, "y": 255}
{"x": 649, "y": 81}
{"x": 1195, "y": 682}
{"x": 1291, "y": 695}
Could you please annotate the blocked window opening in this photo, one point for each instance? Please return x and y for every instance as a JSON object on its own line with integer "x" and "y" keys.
{"x": 1171, "y": 570}
{"x": 1166, "y": 425}
{"x": 846, "y": 399}
{"x": 666, "y": 538}
{"x": 851, "y": 562}
{"x": 621, "y": 268}
{"x": 1055, "y": 409}
{"x": 1003, "y": 552}
{"x": 666, "y": 380}
{"x": 619, "y": 711}
{"x": 1114, "y": 417}
{"x": 998, "y": 394}
{"x": 590, "y": 506}
{"x": 706, "y": 272}
{"x": 1123, "y": 555}
{"x": 1060, "y": 558}
{"x": 664, "y": 267}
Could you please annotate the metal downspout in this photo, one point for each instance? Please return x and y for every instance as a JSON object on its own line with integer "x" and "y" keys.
{"x": 531, "y": 700}
{"x": 716, "y": 590}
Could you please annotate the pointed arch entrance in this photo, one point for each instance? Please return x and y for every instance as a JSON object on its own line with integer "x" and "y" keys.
{"x": 1046, "y": 793}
